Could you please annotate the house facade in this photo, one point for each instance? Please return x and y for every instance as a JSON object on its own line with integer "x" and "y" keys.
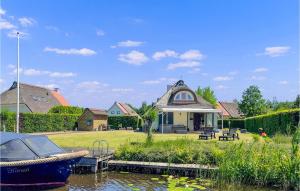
{"x": 121, "y": 109}
{"x": 181, "y": 110}
{"x": 93, "y": 120}
{"x": 33, "y": 99}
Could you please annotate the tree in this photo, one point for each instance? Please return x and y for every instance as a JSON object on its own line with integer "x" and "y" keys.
{"x": 66, "y": 110}
{"x": 143, "y": 109}
{"x": 208, "y": 94}
{"x": 252, "y": 102}
{"x": 297, "y": 102}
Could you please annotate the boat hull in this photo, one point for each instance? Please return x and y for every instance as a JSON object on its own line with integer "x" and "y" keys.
{"x": 52, "y": 173}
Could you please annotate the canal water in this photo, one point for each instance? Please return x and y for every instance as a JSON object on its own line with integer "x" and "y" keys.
{"x": 123, "y": 181}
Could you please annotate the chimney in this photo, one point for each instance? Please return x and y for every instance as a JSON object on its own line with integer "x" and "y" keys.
{"x": 169, "y": 87}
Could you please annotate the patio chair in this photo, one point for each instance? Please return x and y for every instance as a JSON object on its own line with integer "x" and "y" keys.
{"x": 206, "y": 134}
{"x": 229, "y": 135}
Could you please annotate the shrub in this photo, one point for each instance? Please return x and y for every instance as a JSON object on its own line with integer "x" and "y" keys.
{"x": 37, "y": 122}
{"x": 124, "y": 121}
{"x": 284, "y": 122}
{"x": 66, "y": 110}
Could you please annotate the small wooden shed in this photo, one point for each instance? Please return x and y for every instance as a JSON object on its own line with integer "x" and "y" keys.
{"x": 93, "y": 120}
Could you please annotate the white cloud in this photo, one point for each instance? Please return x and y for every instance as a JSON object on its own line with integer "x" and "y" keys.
{"x": 164, "y": 54}
{"x": 283, "y": 82}
{"x": 72, "y": 51}
{"x": 13, "y": 34}
{"x": 192, "y": 55}
{"x": 194, "y": 70}
{"x": 122, "y": 90}
{"x": 128, "y": 43}
{"x": 276, "y": 51}
{"x": 261, "y": 70}
{"x": 1, "y": 80}
{"x": 6, "y": 25}
{"x": 62, "y": 74}
{"x": 258, "y": 78}
{"x": 11, "y": 66}
{"x": 159, "y": 81}
{"x": 222, "y": 78}
{"x": 221, "y": 87}
{"x": 2, "y": 11}
{"x": 134, "y": 57}
{"x": 91, "y": 86}
{"x": 34, "y": 72}
{"x": 26, "y": 21}
{"x": 184, "y": 64}
{"x": 100, "y": 32}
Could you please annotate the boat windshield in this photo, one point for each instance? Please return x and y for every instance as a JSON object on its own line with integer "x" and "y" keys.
{"x": 42, "y": 146}
{"x": 15, "y": 150}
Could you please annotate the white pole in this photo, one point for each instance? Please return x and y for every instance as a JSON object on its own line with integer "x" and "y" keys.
{"x": 162, "y": 123}
{"x": 222, "y": 120}
{"x": 18, "y": 85}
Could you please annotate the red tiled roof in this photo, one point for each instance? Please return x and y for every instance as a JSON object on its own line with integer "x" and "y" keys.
{"x": 60, "y": 98}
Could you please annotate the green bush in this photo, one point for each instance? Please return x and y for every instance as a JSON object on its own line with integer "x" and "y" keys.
{"x": 66, "y": 110}
{"x": 116, "y": 122}
{"x": 37, "y": 122}
{"x": 234, "y": 123}
{"x": 284, "y": 122}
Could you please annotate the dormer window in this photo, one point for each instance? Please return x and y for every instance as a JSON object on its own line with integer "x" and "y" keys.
{"x": 184, "y": 96}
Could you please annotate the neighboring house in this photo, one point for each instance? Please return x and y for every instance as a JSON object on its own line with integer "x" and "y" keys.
{"x": 121, "y": 109}
{"x": 229, "y": 109}
{"x": 33, "y": 99}
{"x": 181, "y": 110}
{"x": 93, "y": 120}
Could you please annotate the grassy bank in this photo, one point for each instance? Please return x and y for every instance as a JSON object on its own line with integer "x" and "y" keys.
{"x": 116, "y": 138}
{"x": 262, "y": 162}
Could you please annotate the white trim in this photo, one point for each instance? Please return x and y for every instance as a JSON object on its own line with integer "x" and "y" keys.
{"x": 199, "y": 110}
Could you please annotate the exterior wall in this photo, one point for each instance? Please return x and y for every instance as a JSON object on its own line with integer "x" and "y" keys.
{"x": 13, "y": 108}
{"x": 99, "y": 121}
{"x": 115, "y": 111}
{"x": 180, "y": 118}
{"x": 83, "y": 122}
{"x": 191, "y": 121}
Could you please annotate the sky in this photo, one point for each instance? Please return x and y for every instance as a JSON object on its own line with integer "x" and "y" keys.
{"x": 99, "y": 52}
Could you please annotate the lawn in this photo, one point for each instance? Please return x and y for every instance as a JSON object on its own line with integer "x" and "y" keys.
{"x": 117, "y": 138}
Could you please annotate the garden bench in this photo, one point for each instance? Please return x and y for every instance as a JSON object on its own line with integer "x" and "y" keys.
{"x": 232, "y": 134}
{"x": 205, "y": 135}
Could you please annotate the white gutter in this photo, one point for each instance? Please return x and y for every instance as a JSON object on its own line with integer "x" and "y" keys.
{"x": 199, "y": 110}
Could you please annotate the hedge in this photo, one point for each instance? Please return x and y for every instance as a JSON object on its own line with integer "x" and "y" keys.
{"x": 66, "y": 110}
{"x": 37, "y": 122}
{"x": 283, "y": 122}
{"x": 234, "y": 123}
{"x": 115, "y": 122}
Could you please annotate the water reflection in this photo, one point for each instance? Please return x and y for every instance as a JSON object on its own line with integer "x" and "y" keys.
{"x": 115, "y": 181}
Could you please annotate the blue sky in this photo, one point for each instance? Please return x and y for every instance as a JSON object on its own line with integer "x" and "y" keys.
{"x": 98, "y": 52}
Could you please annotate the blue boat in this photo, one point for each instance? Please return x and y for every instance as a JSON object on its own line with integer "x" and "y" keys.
{"x": 34, "y": 160}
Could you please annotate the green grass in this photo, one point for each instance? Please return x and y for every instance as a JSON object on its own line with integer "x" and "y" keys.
{"x": 117, "y": 138}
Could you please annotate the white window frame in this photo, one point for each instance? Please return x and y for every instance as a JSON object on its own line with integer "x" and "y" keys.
{"x": 179, "y": 96}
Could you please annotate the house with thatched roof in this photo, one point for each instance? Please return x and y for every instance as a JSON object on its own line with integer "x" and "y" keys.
{"x": 181, "y": 110}
{"x": 33, "y": 99}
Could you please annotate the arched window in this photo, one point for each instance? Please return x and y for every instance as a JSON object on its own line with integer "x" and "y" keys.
{"x": 184, "y": 96}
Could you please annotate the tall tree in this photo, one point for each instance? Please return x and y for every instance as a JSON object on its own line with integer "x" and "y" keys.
{"x": 208, "y": 94}
{"x": 252, "y": 102}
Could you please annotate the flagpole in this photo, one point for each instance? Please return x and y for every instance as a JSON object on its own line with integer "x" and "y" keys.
{"x": 18, "y": 85}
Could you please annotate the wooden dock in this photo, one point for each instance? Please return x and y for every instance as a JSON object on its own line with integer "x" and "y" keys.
{"x": 161, "y": 168}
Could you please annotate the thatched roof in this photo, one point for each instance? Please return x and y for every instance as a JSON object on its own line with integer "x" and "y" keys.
{"x": 167, "y": 99}
{"x": 38, "y": 99}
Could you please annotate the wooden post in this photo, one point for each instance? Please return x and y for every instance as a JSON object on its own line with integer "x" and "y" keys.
{"x": 162, "y": 122}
